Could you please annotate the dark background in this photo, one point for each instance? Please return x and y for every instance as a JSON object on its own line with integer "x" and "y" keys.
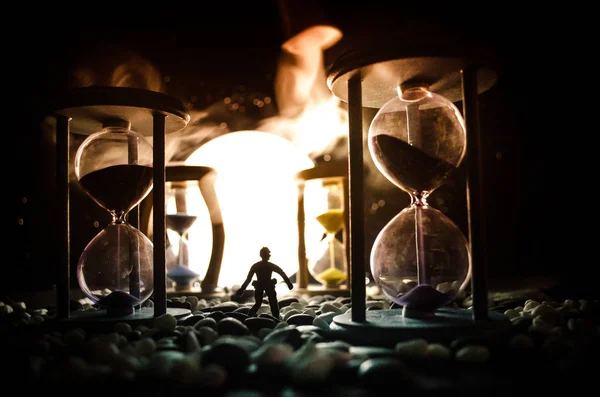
{"x": 231, "y": 49}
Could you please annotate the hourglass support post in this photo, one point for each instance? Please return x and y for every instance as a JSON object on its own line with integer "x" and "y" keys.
{"x": 475, "y": 196}
{"x": 356, "y": 201}
{"x": 302, "y": 275}
{"x": 159, "y": 223}
{"x": 346, "y": 235}
{"x": 63, "y": 141}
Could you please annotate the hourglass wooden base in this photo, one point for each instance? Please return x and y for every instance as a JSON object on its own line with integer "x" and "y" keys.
{"x": 98, "y": 320}
{"x": 387, "y": 327}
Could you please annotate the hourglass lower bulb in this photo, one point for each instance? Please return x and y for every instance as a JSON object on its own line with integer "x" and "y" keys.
{"x": 420, "y": 259}
{"x": 115, "y": 270}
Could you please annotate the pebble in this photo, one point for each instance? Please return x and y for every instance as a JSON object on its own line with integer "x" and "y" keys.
{"x": 220, "y": 345}
{"x": 473, "y": 353}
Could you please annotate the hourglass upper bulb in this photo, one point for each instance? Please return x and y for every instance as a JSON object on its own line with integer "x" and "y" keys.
{"x": 416, "y": 139}
{"x": 114, "y": 168}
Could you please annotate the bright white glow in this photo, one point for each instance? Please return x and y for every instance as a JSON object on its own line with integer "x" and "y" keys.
{"x": 258, "y": 196}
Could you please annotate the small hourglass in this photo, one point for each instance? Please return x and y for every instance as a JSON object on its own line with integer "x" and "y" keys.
{"x": 115, "y": 270}
{"x": 420, "y": 259}
{"x": 331, "y": 268}
{"x": 179, "y": 219}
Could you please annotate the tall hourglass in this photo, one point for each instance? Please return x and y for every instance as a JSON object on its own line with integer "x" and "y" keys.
{"x": 420, "y": 259}
{"x": 115, "y": 270}
{"x": 331, "y": 269}
{"x": 180, "y": 218}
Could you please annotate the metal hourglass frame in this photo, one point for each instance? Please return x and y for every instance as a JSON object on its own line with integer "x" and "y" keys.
{"x": 85, "y": 111}
{"x": 186, "y": 173}
{"x": 368, "y": 78}
{"x": 336, "y": 170}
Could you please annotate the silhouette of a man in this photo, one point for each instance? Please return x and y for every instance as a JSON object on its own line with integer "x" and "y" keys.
{"x": 264, "y": 283}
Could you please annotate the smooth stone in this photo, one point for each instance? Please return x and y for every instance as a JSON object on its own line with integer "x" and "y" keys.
{"x": 328, "y": 317}
{"x": 366, "y": 352}
{"x": 216, "y": 314}
{"x": 335, "y": 345}
{"x": 146, "y": 346}
{"x": 287, "y": 301}
{"x": 290, "y": 313}
{"x": 288, "y": 334}
{"x": 101, "y": 352}
{"x": 521, "y": 341}
{"x": 310, "y": 312}
{"x": 438, "y": 351}
{"x": 263, "y": 332}
{"x": 412, "y": 349}
{"x": 167, "y": 344}
{"x": 193, "y": 300}
{"x": 206, "y": 322}
{"x": 269, "y": 316}
{"x": 242, "y": 309}
{"x": 375, "y": 373}
{"x": 300, "y": 319}
{"x": 192, "y": 320}
{"x": 238, "y": 315}
{"x": 227, "y": 353}
{"x": 165, "y": 322}
{"x": 161, "y": 363}
{"x": 319, "y": 322}
{"x": 122, "y": 328}
{"x": 256, "y": 323}
{"x": 314, "y": 366}
{"x": 226, "y": 307}
{"x": 190, "y": 343}
{"x": 188, "y": 372}
{"x": 232, "y": 326}
{"x": 473, "y": 353}
{"x": 133, "y": 336}
{"x": 308, "y": 328}
{"x": 328, "y": 307}
{"x": 206, "y": 335}
{"x": 272, "y": 354}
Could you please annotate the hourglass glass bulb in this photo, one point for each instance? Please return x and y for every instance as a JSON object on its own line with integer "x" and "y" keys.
{"x": 416, "y": 139}
{"x": 114, "y": 168}
{"x": 420, "y": 259}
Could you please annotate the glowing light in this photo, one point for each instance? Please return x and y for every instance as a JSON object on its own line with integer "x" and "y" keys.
{"x": 258, "y": 196}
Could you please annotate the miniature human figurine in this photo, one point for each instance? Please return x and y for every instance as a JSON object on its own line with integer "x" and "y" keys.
{"x": 264, "y": 283}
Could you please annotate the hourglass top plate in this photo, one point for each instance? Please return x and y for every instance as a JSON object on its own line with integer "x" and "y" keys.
{"x": 331, "y": 169}
{"x": 381, "y": 76}
{"x": 179, "y": 173}
{"x": 90, "y": 107}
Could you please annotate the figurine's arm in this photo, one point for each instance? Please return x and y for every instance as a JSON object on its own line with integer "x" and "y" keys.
{"x": 248, "y": 279}
{"x": 280, "y": 271}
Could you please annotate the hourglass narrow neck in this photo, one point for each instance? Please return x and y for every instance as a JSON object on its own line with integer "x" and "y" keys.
{"x": 419, "y": 199}
{"x": 118, "y": 217}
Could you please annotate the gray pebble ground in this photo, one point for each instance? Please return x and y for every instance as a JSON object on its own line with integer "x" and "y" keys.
{"x": 220, "y": 350}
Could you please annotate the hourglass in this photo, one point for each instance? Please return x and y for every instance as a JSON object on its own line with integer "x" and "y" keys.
{"x": 180, "y": 218}
{"x": 115, "y": 270}
{"x": 420, "y": 259}
{"x": 330, "y": 268}
{"x": 119, "y": 162}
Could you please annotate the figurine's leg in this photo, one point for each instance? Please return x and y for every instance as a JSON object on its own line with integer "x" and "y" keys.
{"x": 272, "y": 295}
{"x": 258, "y": 297}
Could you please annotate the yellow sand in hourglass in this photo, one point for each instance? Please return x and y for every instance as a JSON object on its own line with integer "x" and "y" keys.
{"x": 332, "y": 221}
